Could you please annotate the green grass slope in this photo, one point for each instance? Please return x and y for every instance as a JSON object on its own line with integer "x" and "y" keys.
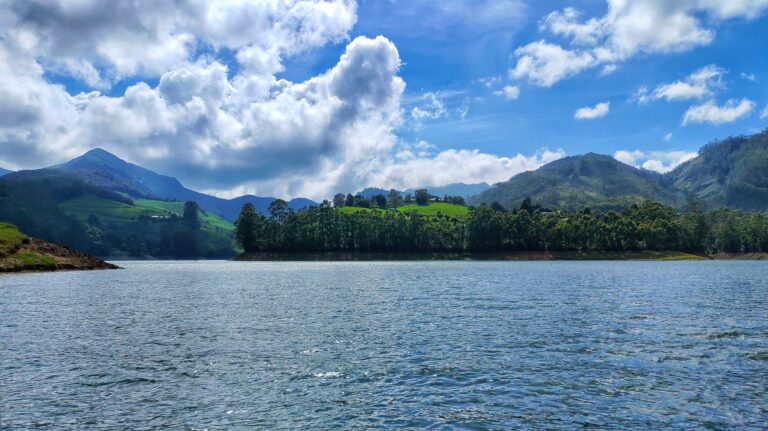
{"x": 430, "y": 210}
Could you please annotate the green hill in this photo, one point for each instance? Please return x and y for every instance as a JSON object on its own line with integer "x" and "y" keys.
{"x": 732, "y": 172}
{"x": 59, "y": 207}
{"x": 579, "y": 181}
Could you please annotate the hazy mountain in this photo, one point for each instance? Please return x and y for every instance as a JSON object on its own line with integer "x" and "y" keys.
{"x": 102, "y": 168}
{"x": 456, "y": 189}
{"x": 732, "y": 172}
{"x": 369, "y": 192}
{"x": 4, "y": 172}
{"x": 578, "y": 181}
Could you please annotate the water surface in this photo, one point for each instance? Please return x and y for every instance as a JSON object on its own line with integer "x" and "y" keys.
{"x": 399, "y": 345}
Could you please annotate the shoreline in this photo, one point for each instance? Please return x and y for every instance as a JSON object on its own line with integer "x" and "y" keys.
{"x": 500, "y": 256}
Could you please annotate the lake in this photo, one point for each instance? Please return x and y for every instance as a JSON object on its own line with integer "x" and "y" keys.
{"x": 400, "y": 345}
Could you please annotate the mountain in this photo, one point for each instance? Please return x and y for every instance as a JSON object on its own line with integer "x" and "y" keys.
{"x": 732, "y": 172}
{"x": 370, "y": 192}
{"x": 578, "y": 181}
{"x": 456, "y": 189}
{"x": 4, "y": 172}
{"x": 58, "y": 206}
{"x": 104, "y": 169}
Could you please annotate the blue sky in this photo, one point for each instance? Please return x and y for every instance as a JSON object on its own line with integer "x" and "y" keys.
{"x": 301, "y": 98}
{"x": 452, "y": 60}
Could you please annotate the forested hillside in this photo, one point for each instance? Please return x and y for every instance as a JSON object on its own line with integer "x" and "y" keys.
{"x": 732, "y": 173}
{"x": 59, "y": 207}
{"x": 582, "y": 181}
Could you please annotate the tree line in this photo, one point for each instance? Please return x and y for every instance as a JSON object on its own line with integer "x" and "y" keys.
{"x": 648, "y": 226}
{"x": 394, "y": 199}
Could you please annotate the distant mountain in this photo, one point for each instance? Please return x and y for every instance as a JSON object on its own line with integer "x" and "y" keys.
{"x": 102, "y": 168}
{"x": 578, "y": 181}
{"x": 456, "y": 189}
{"x": 4, "y": 172}
{"x": 732, "y": 172}
{"x": 370, "y": 192}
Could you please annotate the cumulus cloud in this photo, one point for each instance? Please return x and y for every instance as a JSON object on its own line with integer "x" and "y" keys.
{"x": 710, "y": 112}
{"x": 451, "y": 166}
{"x": 509, "y": 92}
{"x": 545, "y": 64}
{"x": 598, "y": 111}
{"x": 659, "y": 161}
{"x": 627, "y": 29}
{"x": 701, "y": 83}
{"x": 219, "y": 130}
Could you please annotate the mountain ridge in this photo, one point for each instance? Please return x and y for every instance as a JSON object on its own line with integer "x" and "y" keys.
{"x": 102, "y": 168}
{"x": 732, "y": 172}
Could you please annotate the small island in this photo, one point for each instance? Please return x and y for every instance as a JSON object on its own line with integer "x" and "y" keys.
{"x": 20, "y": 253}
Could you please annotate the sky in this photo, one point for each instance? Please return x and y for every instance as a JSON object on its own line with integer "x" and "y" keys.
{"x": 312, "y": 97}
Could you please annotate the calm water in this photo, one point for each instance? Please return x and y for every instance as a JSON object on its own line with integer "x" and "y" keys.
{"x": 441, "y": 345}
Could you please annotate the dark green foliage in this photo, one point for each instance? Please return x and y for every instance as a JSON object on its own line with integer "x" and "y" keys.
{"x": 422, "y": 197}
{"x": 732, "y": 172}
{"x": 648, "y": 226}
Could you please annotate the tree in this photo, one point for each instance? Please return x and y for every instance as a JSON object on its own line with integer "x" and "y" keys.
{"x": 422, "y": 197}
{"x": 498, "y": 207}
{"x": 279, "y": 210}
{"x": 338, "y": 200}
{"x": 191, "y": 217}
{"x": 394, "y": 198}
{"x": 380, "y": 201}
{"x": 350, "y": 200}
{"x": 245, "y": 228}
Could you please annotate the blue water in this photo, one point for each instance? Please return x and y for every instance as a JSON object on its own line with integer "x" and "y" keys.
{"x": 440, "y": 345}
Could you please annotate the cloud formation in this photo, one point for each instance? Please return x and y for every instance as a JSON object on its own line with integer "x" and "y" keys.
{"x": 598, "y": 111}
{"x": 704, "y": 82}
{"x": 710, "y": 112}
{"x": 218, "y": 129}
{"x": 659, "y": 161}
{"x": 627, "y": 29}
{"x": 509, "y": 92}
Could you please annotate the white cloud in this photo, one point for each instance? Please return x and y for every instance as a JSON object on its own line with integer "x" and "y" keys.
{"x": 229, "y": 133}
{"x": 598, "y": 111}
{"x": 667, "y": 137}
{"x": 749, "y": 76}
{"x": 432, "y": 108}
{"x": 467, "y": 166}
{"x": 701, "y": 83}
{"x": 509, "y": 92}
{"x": 545, "y": 64}
{"x": 659, "y": 161}
{"x": 764, "y": 114}
{"x": 627, "y": 29}
{"x": 710, "y": 112}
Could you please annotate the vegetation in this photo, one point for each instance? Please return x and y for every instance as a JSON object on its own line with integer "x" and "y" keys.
{"x": 729, "y": 173}
{"x": 10, "y": 239}
{"x": 648, "y": 226}
{"x": 59, "y": 207}
{"x": 732, "y": 172}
